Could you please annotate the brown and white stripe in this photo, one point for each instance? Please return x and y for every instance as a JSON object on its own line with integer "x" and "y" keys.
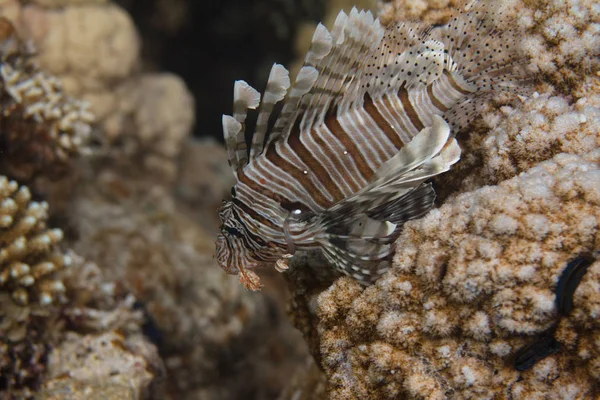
{"x": 363, "y": 126}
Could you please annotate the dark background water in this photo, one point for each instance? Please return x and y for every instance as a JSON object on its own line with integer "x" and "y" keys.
{"x": 210, "y": 44}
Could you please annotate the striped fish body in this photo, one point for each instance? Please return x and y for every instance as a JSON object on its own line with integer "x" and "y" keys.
{"x": 365, "y": 125}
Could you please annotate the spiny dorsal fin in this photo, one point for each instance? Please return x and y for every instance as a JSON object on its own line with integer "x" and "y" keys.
{"x": 343, "y": 70}
{"x": 231, "y": 129}
{"x": 321, "y": 45}
{"x": 332, "y": 67}
{"x": 244, "y": 97}
{"x": 277, "y": 87}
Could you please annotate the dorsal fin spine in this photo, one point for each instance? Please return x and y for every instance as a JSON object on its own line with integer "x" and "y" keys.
{"x": 277, "y": 87}
{"x": 244, "y": 97}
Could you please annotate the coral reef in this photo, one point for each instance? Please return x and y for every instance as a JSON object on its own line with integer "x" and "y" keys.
{"x": 42, "y": 127}
{"x": 472, "y": 283}
{"x": 93, "y": 48}
{"x": 210, "y": 331}
{"x": 49, "y": 295}
{"x": 561, "y": 40}
{"x": 28, "y": 257}
{"x": 471, "y": 297}
{"x": 102, "y": 366}
{"x": 172, "y": 326}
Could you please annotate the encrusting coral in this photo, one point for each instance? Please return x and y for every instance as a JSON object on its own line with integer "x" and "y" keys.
{"x": 473, "y": 282}
{"x": 429, "y": 11}
{"x": 472, "y": 294}
{"x": 42, "y": 128}
{"x": 561, "y": 40}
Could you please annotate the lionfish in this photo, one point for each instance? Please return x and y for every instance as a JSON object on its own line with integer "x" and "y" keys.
{"x": 343, "y": 163}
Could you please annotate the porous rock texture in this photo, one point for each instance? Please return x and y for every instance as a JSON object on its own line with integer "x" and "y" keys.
{"x": 474, "y": 281}
{"x": 560, "y": 114}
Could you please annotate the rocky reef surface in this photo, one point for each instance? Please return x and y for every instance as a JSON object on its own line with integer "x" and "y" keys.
{"x": 108, "y": 288}
{"x": 470, "y": 308}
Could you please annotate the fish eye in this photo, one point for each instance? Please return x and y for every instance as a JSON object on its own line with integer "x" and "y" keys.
{"x": 232, "y": 231}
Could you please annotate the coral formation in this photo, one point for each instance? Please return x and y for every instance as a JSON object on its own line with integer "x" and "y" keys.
{"x": 472, "y": 283}
{"x": 42, "y": 127}
{"x": 469, "y": 308}
{"x": 522, "y": 136}
{"x": 42, "y": 301}
{"x": 24, "y": 345}
{"x": 108, "y": 365}
{"x": 212, "y": 332}
{"x": 561, "y": 114}
{"x": 28, "y": 255}
{"x": 93, "y": 48}
{"x": 216, "y": 340}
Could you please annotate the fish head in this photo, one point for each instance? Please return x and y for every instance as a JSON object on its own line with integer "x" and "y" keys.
{"x": 232, "y": 252}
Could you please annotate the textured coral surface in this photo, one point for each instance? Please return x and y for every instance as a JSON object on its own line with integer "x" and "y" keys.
{"x": 142, "y": 312}
{"x": 473, "y": 283}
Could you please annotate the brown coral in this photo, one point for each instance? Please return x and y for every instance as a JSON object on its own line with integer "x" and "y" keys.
{"x": 429, "y": 11}
{"x": 472, "y": 283}
{"x": 28, "y": 256}
{"x": 561, "y": 43}
{"x": 23, "y": 345}
{"x": 41, "y": 127}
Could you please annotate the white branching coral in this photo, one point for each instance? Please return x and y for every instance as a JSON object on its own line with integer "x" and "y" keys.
{"x": 42, "y": 128}
{"x": 28, "y": 255}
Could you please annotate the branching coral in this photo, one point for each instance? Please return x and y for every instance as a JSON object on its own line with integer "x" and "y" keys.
{"x": 28, "y": 256}
{"x": 40, "y": 299}
{"x": 472, "y": 283}
{"x": 94, "y": 49}
{"x": 41, "y": 127}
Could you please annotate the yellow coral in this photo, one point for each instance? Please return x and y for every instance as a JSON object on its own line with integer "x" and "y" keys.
{"x": 28, "y": 255}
